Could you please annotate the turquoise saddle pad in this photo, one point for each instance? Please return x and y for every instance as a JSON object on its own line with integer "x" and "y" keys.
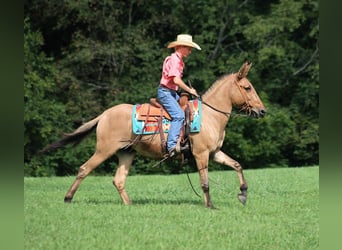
{"x": 152, "y": 127}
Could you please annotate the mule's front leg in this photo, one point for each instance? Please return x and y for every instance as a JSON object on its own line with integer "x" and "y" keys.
{"x": 202, "y": 166}
{"x": 224, "y": 159}
{"x": 205, "y": 187}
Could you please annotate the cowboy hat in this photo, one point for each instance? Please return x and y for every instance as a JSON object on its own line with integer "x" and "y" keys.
{"x": 185, "y": 40}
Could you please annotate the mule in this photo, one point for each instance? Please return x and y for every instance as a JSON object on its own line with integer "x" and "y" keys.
{"x": 114, "y": 132}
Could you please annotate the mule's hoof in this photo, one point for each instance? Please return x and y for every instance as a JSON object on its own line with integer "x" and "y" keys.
{"x": 210, "y": 206}
{"x": 242, "y": 198}
{"x": 67, "y": 199}
{"x": 213, "y": 208}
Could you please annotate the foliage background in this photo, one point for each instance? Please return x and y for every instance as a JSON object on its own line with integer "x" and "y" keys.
{"x": 81, "y": 57}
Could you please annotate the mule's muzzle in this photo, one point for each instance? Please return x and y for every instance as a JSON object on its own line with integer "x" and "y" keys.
{"x": 262, "y": 112}
{"x": 258, "y": 113}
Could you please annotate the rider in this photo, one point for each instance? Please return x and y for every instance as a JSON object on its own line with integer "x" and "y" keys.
{"x": 170, "y": 81}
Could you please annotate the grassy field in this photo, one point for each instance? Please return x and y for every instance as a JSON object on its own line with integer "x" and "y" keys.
{"x": 282, "y": 212}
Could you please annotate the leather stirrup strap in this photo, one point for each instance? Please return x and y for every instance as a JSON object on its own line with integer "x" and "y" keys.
{"x": 138, "y": 138}
{"x": 187, "y": 121}
{"x": 146, "y": 119}
{"x": 161, "y": 132}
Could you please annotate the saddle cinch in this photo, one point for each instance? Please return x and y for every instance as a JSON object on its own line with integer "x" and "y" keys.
{"x": 154, "y": 112}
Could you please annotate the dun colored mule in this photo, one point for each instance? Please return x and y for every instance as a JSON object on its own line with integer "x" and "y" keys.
{"x": 114, "y": 131}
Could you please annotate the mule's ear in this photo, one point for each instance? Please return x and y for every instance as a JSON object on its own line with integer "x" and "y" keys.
{"x": 243, "y": 71}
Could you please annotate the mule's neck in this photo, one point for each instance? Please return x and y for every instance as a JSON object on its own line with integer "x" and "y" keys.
{"x": 218, "y": 95}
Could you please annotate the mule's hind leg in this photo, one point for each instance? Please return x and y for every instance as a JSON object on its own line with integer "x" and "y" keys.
{"x": 83, "y": 171}
{"x": 119, "y": 180}
{"x": 222, "y": 158}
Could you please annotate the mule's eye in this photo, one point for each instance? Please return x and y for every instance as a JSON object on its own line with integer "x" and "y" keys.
{"x": 247, "y": 88}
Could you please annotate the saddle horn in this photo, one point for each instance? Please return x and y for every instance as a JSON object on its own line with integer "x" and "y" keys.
{"x": 243, "y": 71}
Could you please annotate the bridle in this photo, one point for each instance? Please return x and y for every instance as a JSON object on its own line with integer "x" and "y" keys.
{"x": 247, "y": 107}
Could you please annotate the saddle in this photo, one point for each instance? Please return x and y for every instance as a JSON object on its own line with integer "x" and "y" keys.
{"x": 155, "y": 112}
{"x": 151, "y": 112}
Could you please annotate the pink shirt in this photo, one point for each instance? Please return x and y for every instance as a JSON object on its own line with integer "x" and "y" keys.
{"x": 173, "y": 66}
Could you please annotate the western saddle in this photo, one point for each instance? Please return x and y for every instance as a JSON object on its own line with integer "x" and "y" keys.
{"x": 154, "y": 111}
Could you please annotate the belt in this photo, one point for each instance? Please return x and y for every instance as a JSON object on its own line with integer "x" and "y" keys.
{"x": 163, "y": 86}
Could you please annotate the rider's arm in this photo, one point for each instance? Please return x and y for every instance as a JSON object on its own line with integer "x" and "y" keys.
{"x": 177, "y": 80}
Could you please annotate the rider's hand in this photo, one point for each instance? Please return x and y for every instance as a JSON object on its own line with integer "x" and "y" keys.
{"x": 193, "y": 92}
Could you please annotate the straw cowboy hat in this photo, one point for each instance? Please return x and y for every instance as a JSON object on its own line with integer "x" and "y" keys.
{"x": 185, "y": 40}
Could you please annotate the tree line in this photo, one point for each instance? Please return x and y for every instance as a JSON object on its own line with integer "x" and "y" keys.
{"x": 82, "y": 57}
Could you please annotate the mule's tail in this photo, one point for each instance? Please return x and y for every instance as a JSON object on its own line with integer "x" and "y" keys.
{"x": 75, "y": 137}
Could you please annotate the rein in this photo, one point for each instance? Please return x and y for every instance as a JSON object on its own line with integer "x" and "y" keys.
{"x": 217, "y": 110}
{"x": 213, "y": 108}
{"x": 220, "y": 111}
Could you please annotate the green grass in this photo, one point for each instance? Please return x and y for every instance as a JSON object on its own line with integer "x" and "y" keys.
{"x": 282, "y": 212}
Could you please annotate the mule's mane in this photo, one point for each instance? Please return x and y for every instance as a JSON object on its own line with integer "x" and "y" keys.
{"x": 242, "y": 73}
{"x": 217, "y": 84}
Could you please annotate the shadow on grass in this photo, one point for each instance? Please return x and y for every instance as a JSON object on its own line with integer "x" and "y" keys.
{"x": 140, "y": 202}
{"x": 147, "y": 201}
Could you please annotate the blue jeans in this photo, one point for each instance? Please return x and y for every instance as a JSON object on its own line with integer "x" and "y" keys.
{"x": 169, "y": 99}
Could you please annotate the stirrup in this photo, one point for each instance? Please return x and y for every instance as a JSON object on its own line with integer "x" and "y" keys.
{"x": 170, "y": 153}
{"x": 177, "y": 150}
{"x": 181, "y": 149}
